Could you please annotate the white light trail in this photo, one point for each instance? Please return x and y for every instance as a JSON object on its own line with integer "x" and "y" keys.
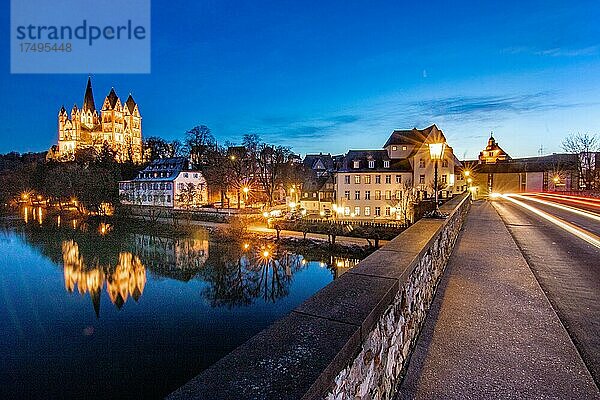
{"x": 587, "y": 214}
{"x": 575, "y": 230}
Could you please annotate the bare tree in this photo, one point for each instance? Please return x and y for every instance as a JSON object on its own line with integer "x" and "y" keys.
{"x": 586, "y": 146}
{"x": 199, "y": 141}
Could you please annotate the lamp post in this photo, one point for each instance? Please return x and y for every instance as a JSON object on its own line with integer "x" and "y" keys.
{"x": 436, "y": 152}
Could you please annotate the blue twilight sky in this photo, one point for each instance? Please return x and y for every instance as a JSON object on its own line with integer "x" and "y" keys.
{"x": 333, "y": 75}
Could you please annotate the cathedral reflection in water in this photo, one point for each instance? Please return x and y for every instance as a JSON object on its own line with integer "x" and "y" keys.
{"x": 125, "y": 279}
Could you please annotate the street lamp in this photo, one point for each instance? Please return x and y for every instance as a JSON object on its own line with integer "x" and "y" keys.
{"x": 436, "y": 152}
{"x": 246, "y": 189}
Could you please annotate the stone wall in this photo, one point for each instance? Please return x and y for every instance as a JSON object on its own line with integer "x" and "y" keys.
{"x": 352, "y": 339}
{"x": 377, "y": 369}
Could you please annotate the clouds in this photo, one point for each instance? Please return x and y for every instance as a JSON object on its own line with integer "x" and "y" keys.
{"x": 565, "y": 51}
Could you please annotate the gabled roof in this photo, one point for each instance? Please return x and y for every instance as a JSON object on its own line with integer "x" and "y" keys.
{"x": 318, "y": 161}
{"x": 415, "y": 136}
{"x": 88, "y": 98}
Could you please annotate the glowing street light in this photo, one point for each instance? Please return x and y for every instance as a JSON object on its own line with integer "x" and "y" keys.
{"x": 436, "y": 152}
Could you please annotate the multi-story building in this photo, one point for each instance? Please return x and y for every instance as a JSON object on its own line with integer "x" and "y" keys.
{"x": 166, "y": 182}
{"x": 117, "y": 124}
{"x": 381, "y": 184}
{"x": 318, "y": 188}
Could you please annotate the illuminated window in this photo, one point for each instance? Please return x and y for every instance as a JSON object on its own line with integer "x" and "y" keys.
{"x": 403, "y": 148}
{"x": 386, "y": 164}
{"x": 367, "y": 179}
{"x": 367, "y": 211}
{"x": 378, "y": 195}
{"x": 346, "y": 211}
{"x": 394, "y": 148}
{"x": 356, "y": 164}
{"x": 357, "y": 211}
{"x": 388, "y": 194}
{"x": 371, "y": 164}
{"x": 357, "y": 179}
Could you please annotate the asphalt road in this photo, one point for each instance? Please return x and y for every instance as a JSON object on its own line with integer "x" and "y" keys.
{"x": 566, "y": 266}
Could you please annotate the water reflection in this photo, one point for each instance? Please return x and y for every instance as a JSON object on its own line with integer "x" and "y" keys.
{"x": 110, "y": 258}
{"x": 125, "y": 279}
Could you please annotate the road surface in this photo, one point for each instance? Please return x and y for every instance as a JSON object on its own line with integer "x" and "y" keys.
{"x": 560, "y": 239}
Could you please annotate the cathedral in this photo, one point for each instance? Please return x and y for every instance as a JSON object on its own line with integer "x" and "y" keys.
{"x": 117, "y": 124}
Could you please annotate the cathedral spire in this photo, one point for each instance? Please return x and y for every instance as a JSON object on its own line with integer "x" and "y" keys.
{"x": 88, "y": 99}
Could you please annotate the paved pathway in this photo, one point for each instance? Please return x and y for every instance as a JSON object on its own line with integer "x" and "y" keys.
{"x": 491, "y": 332}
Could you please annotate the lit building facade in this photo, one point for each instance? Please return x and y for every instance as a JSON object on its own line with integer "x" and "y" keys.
{"x": 166, "y": 182}
{"x": 496, "y": 171}
{"x": 117, "y": 124}
{"x": 381, "y": 184}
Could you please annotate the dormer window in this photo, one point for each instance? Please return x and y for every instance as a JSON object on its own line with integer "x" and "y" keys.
{"x": 386, "y": 164}
{"x": 371, "y": 163}
{"x": 394, "y": 148}
{"x": 356, "y": 164}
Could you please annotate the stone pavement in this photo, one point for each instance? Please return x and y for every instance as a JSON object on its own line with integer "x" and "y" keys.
{"x": 491, "y": 332}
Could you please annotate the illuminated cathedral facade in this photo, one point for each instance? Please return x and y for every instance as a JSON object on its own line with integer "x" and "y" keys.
{"x": 116, "y": 124}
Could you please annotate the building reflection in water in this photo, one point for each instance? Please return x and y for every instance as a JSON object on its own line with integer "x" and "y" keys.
{"x": 126, "y": 279}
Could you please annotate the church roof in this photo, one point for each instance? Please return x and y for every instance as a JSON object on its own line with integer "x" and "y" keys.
{"x": 88, "y": 98}
{"x": 112, "y": 98}
{"x": 130, "y": 103}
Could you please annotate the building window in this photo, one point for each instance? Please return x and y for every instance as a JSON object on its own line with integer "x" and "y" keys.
{"x": 403, "y": 148}
{"x": 378, "y": 211}
{"x": 387, "y": 211}
{"x": 367, "y": 211}
{"x": 421, "y": 179}
{"x": 445, "y": 163}
{"x": 421, "y": 163}
{"x": 378, "y": 195}
{"x": 305, "y": 194}
{"x": 169, "y": 187}
{"x": 357, "y": 195}
{"x": 314, "y": 194}
{"x": 398, "y": 178}
{"x": 347, "y": 194}
{"x": 356, "y": 164}
{"x": 388, "y": 179}
{"x": 357, "y": 211}
{"x": 367, "y": 179}
{"x": 168, "y": 198}
{"x": 398, "y": 194}
{"x": 371, "y": 164}
{"x": 386, "y": 164}
{"x": 444, "y": 178}
{"x": 347, "y": 179}
{"x": 185, "y": 175}
{"x": 394, "y": 148}
{"x": 388, "y": 194}
{"x": 367, "y": 195}
{"x": 346, "y": 211}
{"x": 377, "y": 179}
{"x": 357, "y": 179}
